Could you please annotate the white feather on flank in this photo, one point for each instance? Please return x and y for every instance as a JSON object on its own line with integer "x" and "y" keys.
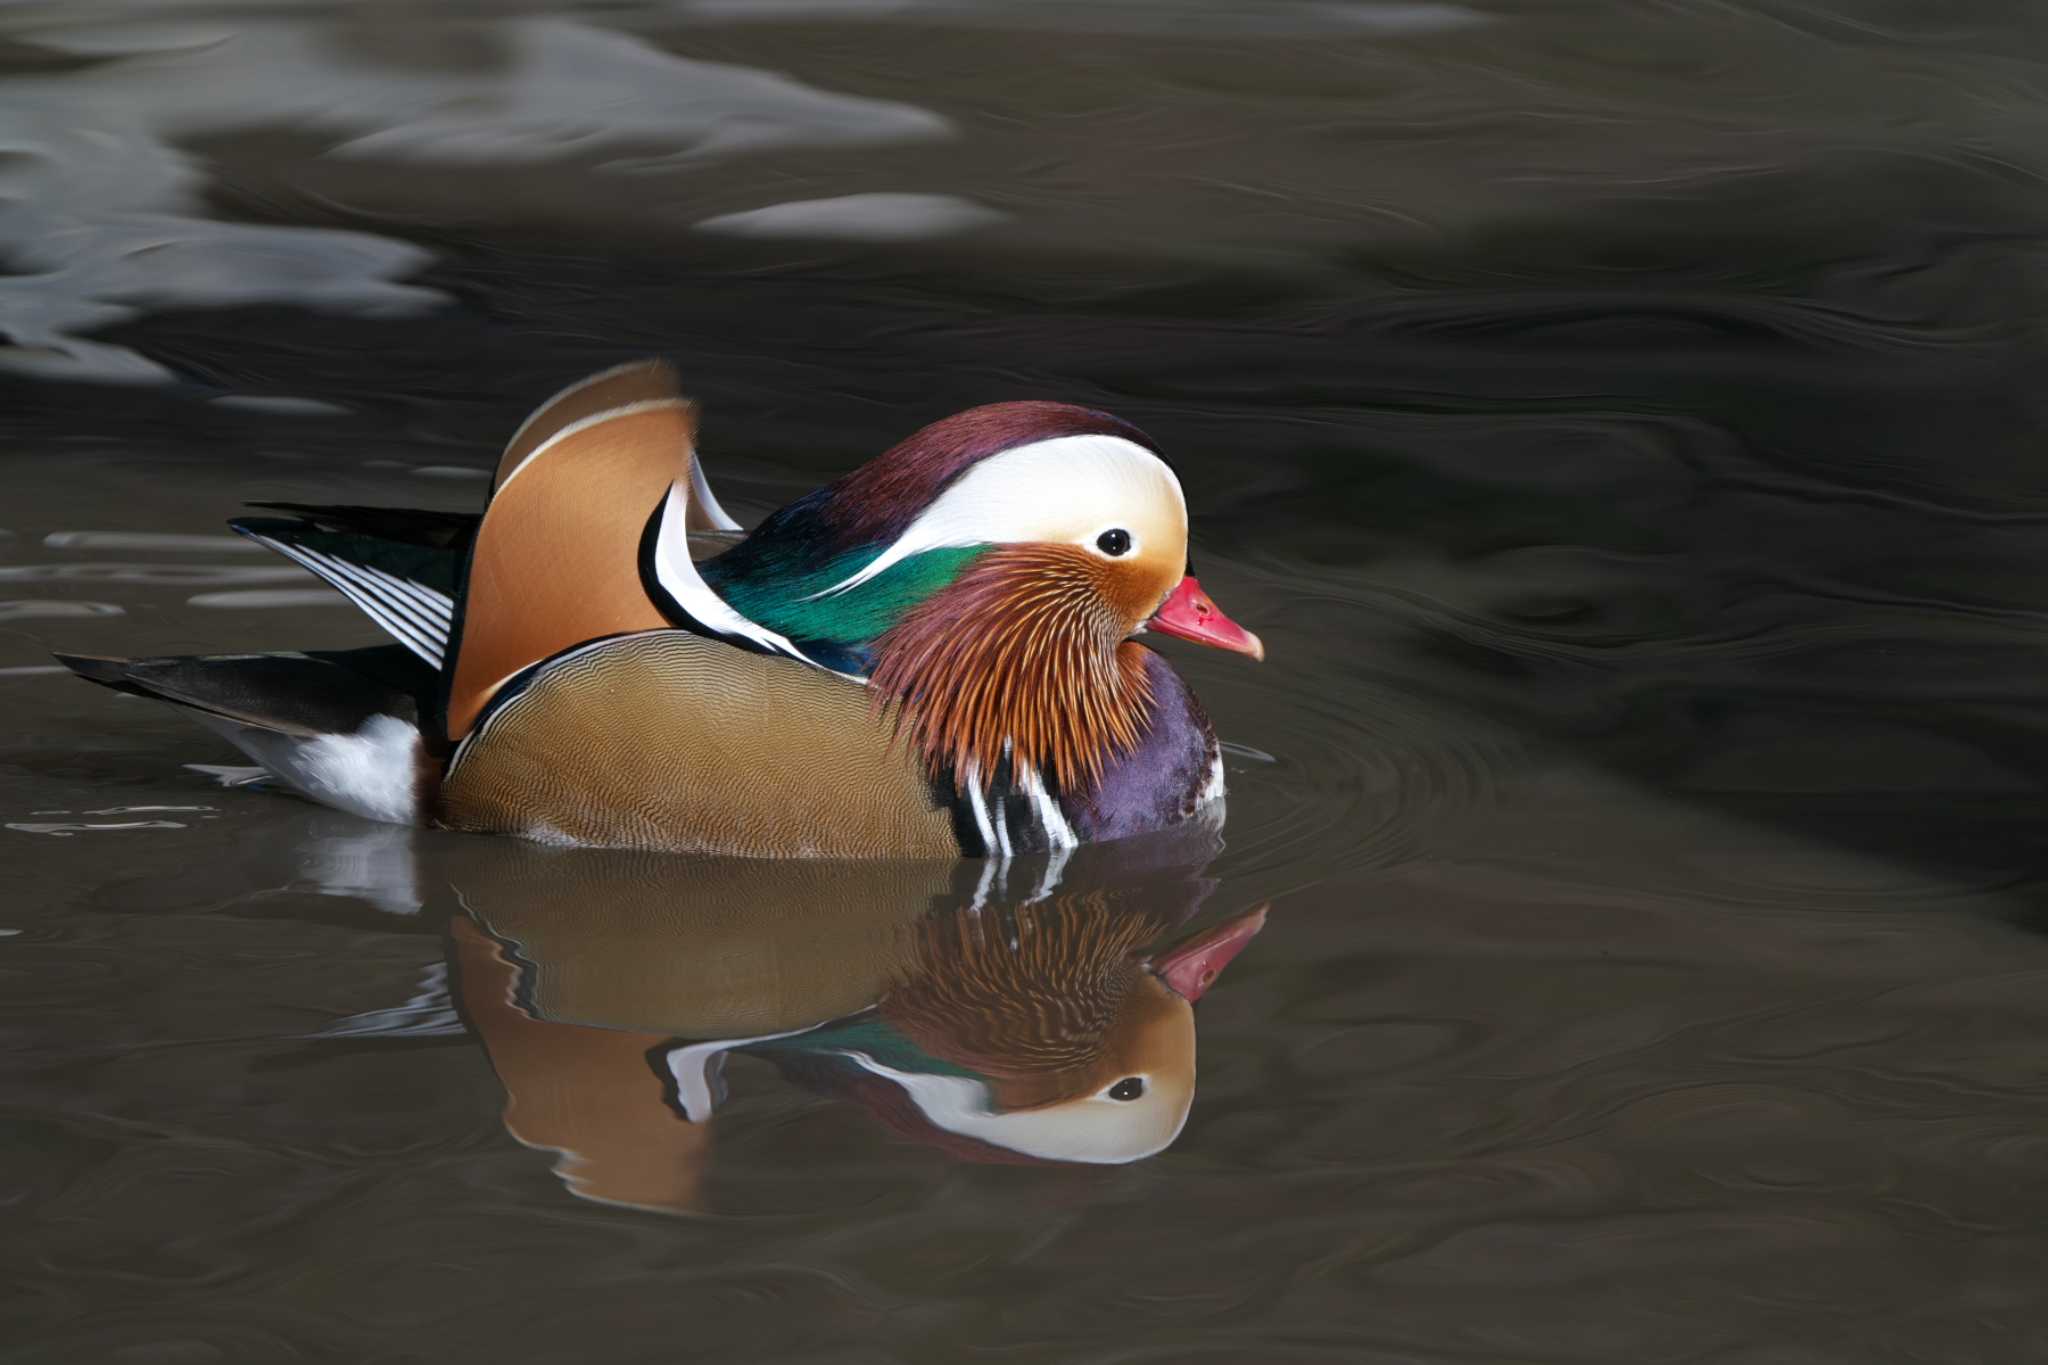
{"x": 1068, "y": 489}
{"x": 371, "y": 773}
{"x": 991, "y": 817}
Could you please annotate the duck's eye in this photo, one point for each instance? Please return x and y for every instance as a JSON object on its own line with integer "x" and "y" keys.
{"x": 1129, "y": 1088}
{"x": 1113, "y": 542}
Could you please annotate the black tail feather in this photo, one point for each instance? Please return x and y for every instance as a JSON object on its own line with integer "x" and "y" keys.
{"x": 309, "y": 694}
{"x": 421, "y": 559}
{"x": 450, "y": 531}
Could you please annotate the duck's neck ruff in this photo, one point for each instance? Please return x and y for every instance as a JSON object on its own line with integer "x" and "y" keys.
{"x": 1018, "y": 659}
{"x": 1032, "y": 1010}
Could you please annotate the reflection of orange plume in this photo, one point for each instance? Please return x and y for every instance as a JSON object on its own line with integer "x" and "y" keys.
{"x": 586, "y": 1093}
{"x": 1031, "y": 1014}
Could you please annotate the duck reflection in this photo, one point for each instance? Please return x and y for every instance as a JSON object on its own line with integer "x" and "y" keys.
{"x": 610, "y": 988}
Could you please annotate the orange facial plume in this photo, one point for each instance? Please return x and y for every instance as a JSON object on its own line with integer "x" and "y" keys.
{"x": 1032, "y": 1013}
{"x": 1025, "y": 647}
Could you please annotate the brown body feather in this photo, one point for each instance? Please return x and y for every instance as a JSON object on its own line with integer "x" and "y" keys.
{"x": 667, "y": 740}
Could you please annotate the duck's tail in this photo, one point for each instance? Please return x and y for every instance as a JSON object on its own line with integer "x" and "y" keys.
{"x": 341, "y": 727}
{"x": 588, "y": 532}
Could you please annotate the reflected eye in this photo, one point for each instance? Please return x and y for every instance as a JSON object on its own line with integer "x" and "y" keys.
{"x": 1114, "y": 542}
{"x": 1129, "y": 1088}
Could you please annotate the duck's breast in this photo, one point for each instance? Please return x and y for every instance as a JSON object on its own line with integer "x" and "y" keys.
{"x": 1173, "y": 774}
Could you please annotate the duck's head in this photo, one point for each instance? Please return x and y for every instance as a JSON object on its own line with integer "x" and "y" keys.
{"x": 988, "y": 574}
{"x": 1052, "y": 1039}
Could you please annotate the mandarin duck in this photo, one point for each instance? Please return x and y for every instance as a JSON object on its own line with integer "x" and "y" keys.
{"x": 936, "y": 655}
{"x": 991, "y": 1026}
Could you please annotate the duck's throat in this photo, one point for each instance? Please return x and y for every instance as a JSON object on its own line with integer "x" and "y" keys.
{"x": 1015, "y": 661}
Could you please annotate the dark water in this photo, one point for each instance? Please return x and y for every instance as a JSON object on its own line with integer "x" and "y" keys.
{"x": 1624, "y": 423}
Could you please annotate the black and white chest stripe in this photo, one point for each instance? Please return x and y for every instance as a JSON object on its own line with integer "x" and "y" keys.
{"x": 1014, "y": 813}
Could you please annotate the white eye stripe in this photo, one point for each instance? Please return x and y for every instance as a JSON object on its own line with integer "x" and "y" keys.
{"x": 1106, "y": 1134}
{"x": 1049, "y": 491}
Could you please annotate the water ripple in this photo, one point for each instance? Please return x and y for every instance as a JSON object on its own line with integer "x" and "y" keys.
{"x": 166, "y": 575}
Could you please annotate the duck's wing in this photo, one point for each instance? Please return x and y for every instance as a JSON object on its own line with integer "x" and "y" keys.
{"x": 588, "y": 535}
{"x": 665, "y": 739}
{"x": 399, "y": 565}
{"x": 597, "y": 460}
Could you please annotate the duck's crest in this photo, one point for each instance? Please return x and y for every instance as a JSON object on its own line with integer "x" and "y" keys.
{"x": 875, "y": 503}
{"x": 839, "y": 567}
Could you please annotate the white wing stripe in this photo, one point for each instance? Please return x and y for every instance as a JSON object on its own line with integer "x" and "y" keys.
{"x": 370, "y": 588}
{"x": 585, "y": 424}
{"x": 321, "y": 567}
{"x": 588, "y": 381}
{"x": 404, "y": 629}
{"x": 437, "y": 607}
{"x": 433, "y": 603}
{"x": 414, "y": 615}
{"x": 427, "y": 606}
{"x": 700, "y": 485}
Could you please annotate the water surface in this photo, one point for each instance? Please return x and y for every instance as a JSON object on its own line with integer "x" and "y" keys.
{"x": 1622, "y": 423}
